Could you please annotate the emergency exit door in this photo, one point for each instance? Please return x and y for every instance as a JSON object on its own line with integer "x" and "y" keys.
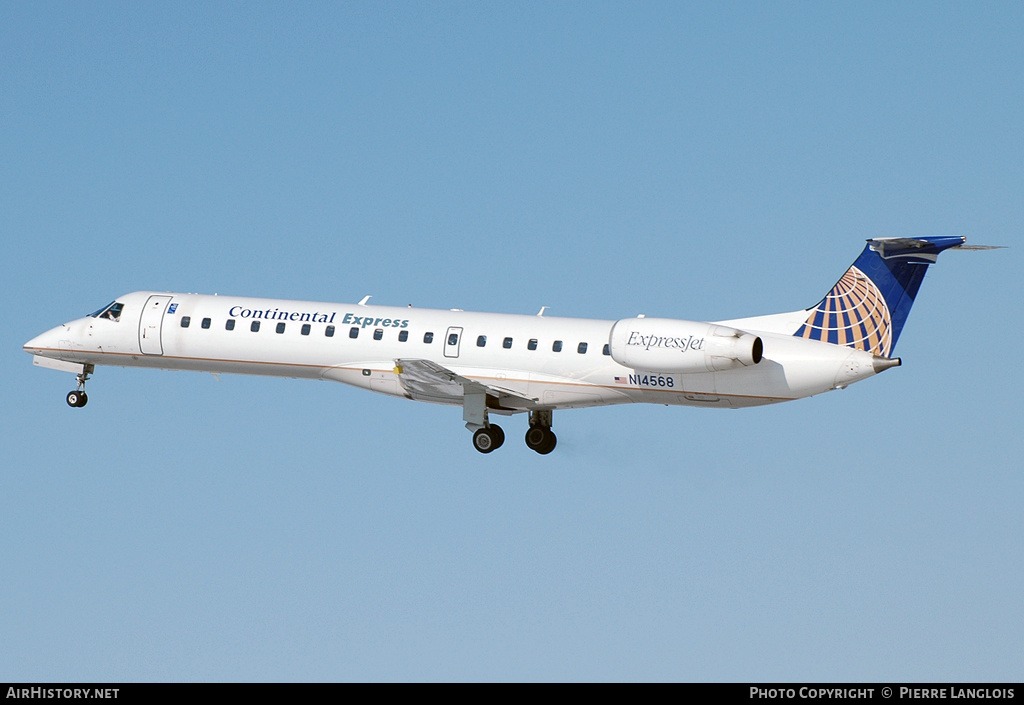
{"x": 452, "y": 341}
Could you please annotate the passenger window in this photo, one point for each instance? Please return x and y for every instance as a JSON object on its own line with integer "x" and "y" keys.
{"x": 581, "y": 348}
{"x": 378, "y": 334}
{"x": 185, "y": 321}
{"x": 453, "y": 339}
{"x": 403, "y": 336}
{"x": 607, "y": 350}
{"x": 329, "y": 331}
{"x": 506, "y": 343}
{"x": 229, "y": 324}
{"x": 280, "y": 327}
{"x": 206, "y": 323}
{"x": 305, "y": 329}
{"x": 557, "y": 346}
{"x": 481, "y": 340}
{"x": 254, "y": 326}
{"x": 353, "y": 332}
{"x": 532, "y": 345}
{"x": 428, "y": 337}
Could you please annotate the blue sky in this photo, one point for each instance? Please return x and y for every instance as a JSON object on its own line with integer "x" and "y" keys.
{"x": 699, "y": 161}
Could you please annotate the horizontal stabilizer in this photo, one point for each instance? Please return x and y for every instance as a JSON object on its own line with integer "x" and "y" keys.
{"x": 973, "y": 248}
{"x": 913, "y": 248}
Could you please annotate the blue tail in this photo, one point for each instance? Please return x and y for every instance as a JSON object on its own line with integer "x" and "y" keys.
{"x": 867, "y": 308}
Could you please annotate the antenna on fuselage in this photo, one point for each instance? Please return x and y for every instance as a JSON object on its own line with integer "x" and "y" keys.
{"x": 363, "y": 301}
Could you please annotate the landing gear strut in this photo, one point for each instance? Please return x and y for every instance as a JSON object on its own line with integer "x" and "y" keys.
{"x": 539, "y": 436}
{"x": 486, "y": 436}
{"x": 79, "y": 398}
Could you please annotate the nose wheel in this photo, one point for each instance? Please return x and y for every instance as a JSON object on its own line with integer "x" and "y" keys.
{"x": 79, "y": 398}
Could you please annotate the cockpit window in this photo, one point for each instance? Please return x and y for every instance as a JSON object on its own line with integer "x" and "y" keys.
{"x": 98, "y": 311}
{"x": 111, "y": 311}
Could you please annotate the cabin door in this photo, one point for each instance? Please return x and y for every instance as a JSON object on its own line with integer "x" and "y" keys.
{"x": 150, "y": 324}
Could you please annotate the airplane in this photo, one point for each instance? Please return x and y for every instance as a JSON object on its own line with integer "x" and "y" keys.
{"x": 494, "y": 364}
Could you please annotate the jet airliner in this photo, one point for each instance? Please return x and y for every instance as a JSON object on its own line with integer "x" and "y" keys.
{"x": 495, "y": 364}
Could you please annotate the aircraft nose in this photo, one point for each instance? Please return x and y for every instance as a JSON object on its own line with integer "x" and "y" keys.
{"x": 44, "y": 342}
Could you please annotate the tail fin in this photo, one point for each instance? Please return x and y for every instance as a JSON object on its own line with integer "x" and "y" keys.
{"x": 867, "y": 308}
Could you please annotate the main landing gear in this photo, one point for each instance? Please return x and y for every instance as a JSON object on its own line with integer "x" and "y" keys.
{"x": 488, "y": 437}
{"x": 539, "y": 436}
{"x": 79, "y": 398}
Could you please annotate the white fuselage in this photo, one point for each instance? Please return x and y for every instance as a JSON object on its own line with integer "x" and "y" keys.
{"x": 518, "y": 352}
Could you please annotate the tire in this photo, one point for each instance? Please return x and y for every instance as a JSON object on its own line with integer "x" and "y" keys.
{"x": 535, "y": 437}
{"x": 499, "y": 436}
{"x": 484, "y": 440}
{"x": 549, "y": 444}
{"x": 541, "y": 439}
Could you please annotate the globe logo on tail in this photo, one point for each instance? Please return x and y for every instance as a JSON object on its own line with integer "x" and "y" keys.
{"x": 853, "y": 314}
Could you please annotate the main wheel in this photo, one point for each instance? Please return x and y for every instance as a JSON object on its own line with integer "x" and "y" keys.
{"x": 486, "y": 439}
{"x": 549, "y": 445}
{"x": 540, "y": 439}
{"x": 77, "y": 399}
{"x": 535, "y": 437}
{"x": 499, "y": 436}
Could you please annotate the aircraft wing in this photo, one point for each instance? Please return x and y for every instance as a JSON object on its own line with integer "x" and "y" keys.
{"x": 426, "y": 380}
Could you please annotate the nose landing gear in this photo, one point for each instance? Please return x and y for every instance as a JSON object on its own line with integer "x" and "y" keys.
{"x": 79, "y": 398}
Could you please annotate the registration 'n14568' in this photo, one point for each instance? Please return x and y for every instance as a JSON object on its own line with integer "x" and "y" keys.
{"x": 652, "y": 380}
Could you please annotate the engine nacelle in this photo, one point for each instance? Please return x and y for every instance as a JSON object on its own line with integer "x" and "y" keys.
{"x": 670, "y": 345}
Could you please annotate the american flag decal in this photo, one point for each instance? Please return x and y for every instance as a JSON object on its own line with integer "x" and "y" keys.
{"x": 622, "y": 380}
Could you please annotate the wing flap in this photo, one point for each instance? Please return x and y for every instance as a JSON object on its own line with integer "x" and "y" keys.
{"x": 426, "y": 380}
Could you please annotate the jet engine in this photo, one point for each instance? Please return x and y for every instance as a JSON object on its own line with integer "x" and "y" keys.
{"x": 670, "y": 345}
